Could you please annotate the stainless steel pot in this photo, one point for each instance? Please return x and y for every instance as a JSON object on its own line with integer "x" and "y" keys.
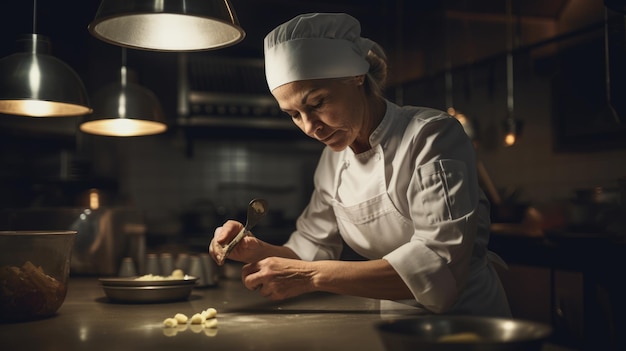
{"x": 456, "y": 333}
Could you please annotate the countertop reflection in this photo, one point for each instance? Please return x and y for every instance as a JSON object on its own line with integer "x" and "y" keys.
{"x": 246, "y": 321}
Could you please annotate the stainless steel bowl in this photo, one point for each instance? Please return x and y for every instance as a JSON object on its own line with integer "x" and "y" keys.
{"x": 148, "y": 294}
{"x": 453, "y": 333}
{"x": 148, "y": 291}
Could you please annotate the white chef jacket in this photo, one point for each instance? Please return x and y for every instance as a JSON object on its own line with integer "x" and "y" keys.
{"x": 413, "y": 200}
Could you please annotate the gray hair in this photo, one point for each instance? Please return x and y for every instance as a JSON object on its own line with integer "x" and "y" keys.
{"x": 376, "y": 76}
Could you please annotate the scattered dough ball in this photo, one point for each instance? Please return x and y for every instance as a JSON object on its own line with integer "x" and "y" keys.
{"x": 178, "y": 274}
{"x": 205, "y": 320}
{"x": 181, "y": 318}
{"x": 211, "y": 323}
{"x": 210, "y": 313}
{"x": 170, "y": 322}
{"x": 197, "y": 319}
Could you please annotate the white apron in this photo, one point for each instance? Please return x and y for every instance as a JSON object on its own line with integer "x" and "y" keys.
{"x": 371, "y": 225}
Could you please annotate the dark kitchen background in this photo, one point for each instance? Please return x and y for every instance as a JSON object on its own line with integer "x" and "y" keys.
{"x": 227, "y": 142}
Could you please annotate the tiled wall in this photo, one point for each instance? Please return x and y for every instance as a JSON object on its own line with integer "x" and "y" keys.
{"x": 159, "y": 177}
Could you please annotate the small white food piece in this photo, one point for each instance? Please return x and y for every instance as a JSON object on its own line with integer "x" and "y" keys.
{"x": 181, "y": 318}
{"x": 210, "y": 313}
{"x": 170, "y": 322}
{"x": 197, "y": 319}
{"x": 177, "y": 274}
{"x": 211, "y": 323}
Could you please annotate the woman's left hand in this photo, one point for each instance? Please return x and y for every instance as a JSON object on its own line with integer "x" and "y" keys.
{"x": 279, "y": 278}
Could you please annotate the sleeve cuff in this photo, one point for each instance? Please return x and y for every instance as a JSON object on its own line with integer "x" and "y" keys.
{"x": 426, "y": 274}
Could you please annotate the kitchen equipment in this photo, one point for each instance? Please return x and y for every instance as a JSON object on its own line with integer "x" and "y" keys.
{"x": 127, "y": 268}
{"x": 257, "y": 208}
{"x": 195, "y": 269}
{"x": 152, "y": 264}
{"x": 34, "y": 269}
{"x": 202, "y": 266}
{"x": 131, "y": 290}
{"x": 182, "y": 262}
{"x": 210, "y": 270}
{"x": 456, "y": 333}
{"x": 166, "y": 262}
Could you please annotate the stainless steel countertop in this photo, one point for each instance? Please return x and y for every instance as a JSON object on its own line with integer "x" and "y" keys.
{"x": 89, "y": 321}
{"x": 246, "y": 321}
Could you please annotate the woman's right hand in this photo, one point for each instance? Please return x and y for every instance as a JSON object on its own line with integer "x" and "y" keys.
{"x": 245, "y": 251}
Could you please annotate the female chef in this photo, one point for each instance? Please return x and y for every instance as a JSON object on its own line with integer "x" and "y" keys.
{"x": 397, "y": 184}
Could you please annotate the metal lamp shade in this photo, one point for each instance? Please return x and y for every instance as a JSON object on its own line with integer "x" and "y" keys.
{"x": 125, "y": 109}
{"x": 37, "y": 84}
{"x": 167, "y": 25}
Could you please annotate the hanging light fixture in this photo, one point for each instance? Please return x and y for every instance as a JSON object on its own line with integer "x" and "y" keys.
{"x": 512, "y": 126}
{"x": 461, "y": 117}
{"x": 36, "y": 84}
{"x": 125, "y": 108}
{"x": 167, "y": 25}
{"x": 449, "y": 86}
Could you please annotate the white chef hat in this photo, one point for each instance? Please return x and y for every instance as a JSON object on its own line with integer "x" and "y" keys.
{"x": 315, "y": 46}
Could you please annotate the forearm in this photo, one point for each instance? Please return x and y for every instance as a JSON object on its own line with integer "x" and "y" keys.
{"x": 268, "y": 250}
{"x": 373, "y": 279}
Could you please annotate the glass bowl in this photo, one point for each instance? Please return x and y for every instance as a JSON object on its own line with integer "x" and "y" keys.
{"x": 34, "y": 270}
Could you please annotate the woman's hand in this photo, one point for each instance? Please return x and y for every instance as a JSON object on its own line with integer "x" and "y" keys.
{"x": 245, "y": 251}
{"x": 279, "y": 278}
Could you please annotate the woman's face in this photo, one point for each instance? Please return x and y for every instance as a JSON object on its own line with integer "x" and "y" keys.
{"x": 329, "y": 110}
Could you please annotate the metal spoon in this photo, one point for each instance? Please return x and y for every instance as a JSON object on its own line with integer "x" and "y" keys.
{"x": 257, "y": 208}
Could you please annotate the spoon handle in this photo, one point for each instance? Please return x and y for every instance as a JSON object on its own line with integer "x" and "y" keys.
{"x": 231, "y": 245}
{"x": 257, "y": 208}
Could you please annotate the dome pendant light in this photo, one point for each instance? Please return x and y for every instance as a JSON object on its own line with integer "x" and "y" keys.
{"x": 124, "y": 109}
{"x": 36, "y": 84}
{"x": 167, "y": 25}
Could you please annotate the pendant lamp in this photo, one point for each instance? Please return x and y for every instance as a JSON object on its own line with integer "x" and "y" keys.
{"x": 34, "y": 83}
{"x": 167, "y": 25}
{"x": 512, "y": 126}
{"x": 449, "y": 87}
{"x": 125, "y": 108}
